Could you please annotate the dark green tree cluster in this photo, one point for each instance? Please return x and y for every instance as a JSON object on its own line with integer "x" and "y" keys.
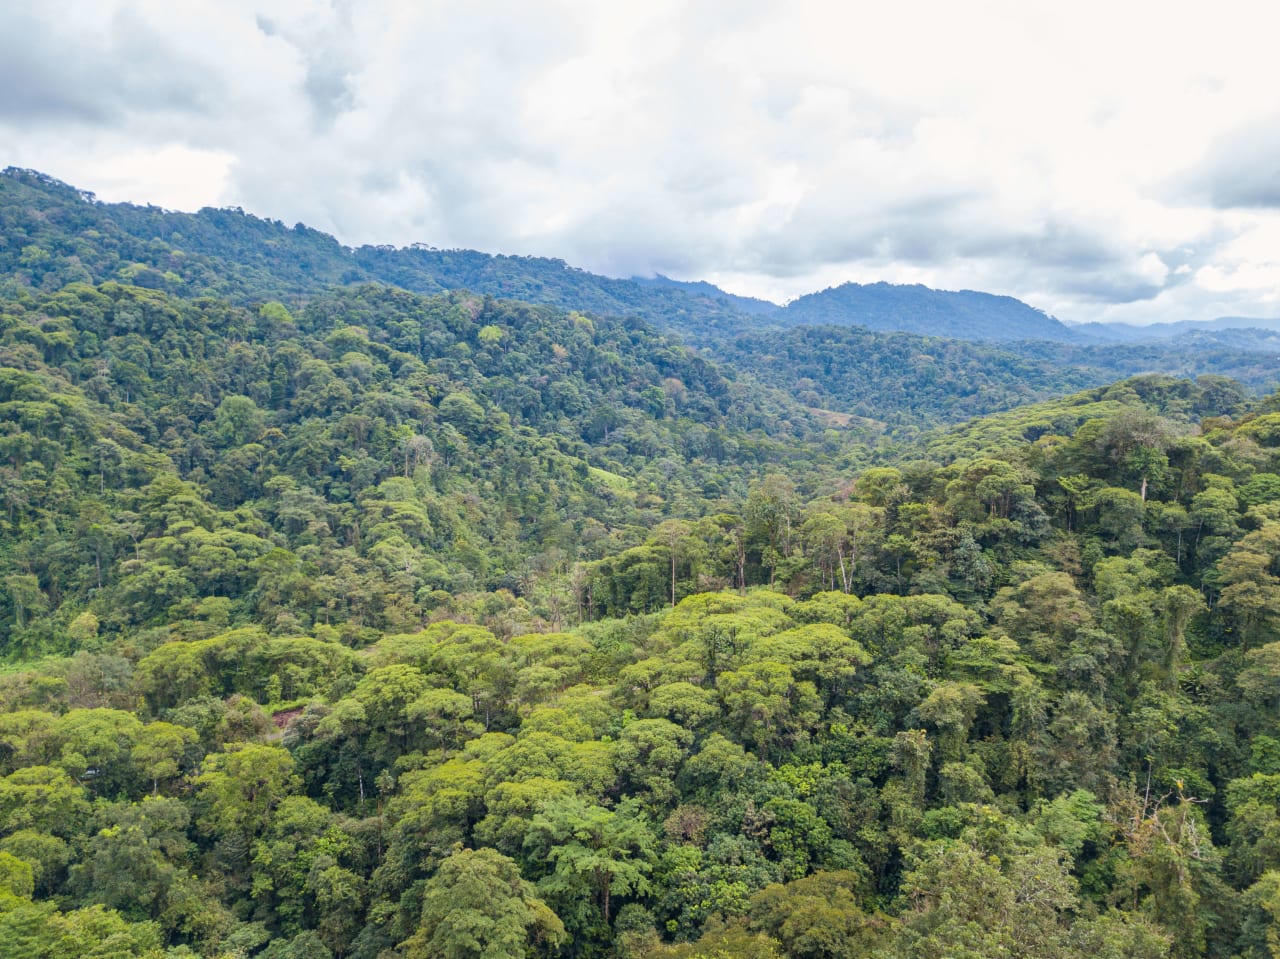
{"x": 1023, "y": 703}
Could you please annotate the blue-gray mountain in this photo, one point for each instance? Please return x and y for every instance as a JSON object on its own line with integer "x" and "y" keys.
{"x": 965, "y": 315}
{"x": 1225, "y": 329}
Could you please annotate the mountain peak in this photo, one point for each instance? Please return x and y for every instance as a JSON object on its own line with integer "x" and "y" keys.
{"x": 914, "y": 308}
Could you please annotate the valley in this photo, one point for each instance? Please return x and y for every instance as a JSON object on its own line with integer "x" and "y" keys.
{"x": 399, "y": 602}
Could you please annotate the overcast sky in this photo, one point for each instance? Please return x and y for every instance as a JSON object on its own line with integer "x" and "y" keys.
{"x": 1100, "y": 160}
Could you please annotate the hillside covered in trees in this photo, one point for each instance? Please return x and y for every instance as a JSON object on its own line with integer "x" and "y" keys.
{"x": 347, "y": 621}
{"x": 966, "y": 314}
{"x": 838, "y": 350}
{"x": 911, "y": 383}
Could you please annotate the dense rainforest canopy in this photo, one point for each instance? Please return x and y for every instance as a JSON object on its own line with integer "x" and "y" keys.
{"x": 345, "y": 621}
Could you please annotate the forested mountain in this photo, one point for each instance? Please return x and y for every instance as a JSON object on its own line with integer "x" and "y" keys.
{"x": 966, "y": 314}
{"x": 746, "y": 304}
{"x": 54, "y": 234}
{"x": 454, "y": 443}
{"x": 346, "y": 622}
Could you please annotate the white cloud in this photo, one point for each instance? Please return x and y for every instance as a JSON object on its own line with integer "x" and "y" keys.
{"x": 174, "y": 176}
{"x": 1081, "y": 157}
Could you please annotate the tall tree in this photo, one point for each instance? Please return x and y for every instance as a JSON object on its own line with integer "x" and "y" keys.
{"x": 477, "y": 906}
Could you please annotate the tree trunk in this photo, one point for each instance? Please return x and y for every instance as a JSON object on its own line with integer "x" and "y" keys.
{"x": 673, "y": 578}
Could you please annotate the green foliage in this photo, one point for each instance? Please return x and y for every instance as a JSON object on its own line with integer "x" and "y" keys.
{"x": 192, "y": 464}
{"x": 360, "y": 623}
{"x": 478, "y": 906}
{"x": 908, "y": 382}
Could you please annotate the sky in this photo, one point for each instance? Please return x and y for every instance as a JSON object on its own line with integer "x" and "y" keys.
{"x": 1102, "y": 161}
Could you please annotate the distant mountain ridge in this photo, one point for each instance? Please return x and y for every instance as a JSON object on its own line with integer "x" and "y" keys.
{"x": 963, "y": 314}
{"x": 52, "y": 233}
{"x": 1131, "y": 333}
{"x": 229, "y": 253}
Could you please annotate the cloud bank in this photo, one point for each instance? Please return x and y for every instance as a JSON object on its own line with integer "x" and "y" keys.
{"x": 1100, "y": 162}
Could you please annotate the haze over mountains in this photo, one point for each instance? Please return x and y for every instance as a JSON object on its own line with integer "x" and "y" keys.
{"x": 1128, "y": 332}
